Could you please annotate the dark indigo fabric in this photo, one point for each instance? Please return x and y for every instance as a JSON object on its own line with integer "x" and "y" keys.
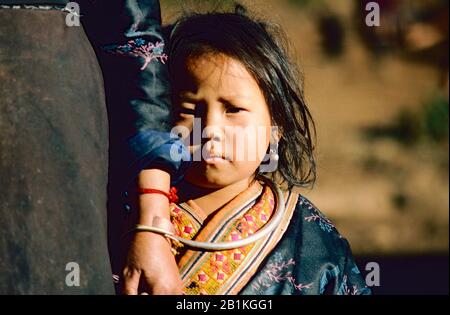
{"x": 312, "y": 258}
{"x": 137, "y": 91}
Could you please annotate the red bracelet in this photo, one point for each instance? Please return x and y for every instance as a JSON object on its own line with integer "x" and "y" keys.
{"x": 171, "y": 195}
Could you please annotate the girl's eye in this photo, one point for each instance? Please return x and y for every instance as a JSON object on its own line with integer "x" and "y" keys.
{"x": 234, "y": 110}
{"x": 187, "y": 111}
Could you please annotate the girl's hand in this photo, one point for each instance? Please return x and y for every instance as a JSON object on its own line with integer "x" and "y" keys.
{"x": 150, "y": 267}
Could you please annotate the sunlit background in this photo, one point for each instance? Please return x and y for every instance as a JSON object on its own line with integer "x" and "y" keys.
{"x": 379, "y": 96}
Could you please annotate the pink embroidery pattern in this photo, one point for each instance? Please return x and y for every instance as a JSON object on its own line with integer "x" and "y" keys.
{"x": 345, "y": 290}
{"x": 324, "y": 223}
{"x": 141, "y": 48}
{"x": 274, "y": 272}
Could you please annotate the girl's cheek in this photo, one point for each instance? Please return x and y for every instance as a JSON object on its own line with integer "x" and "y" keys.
{"x": 244, "y": 148}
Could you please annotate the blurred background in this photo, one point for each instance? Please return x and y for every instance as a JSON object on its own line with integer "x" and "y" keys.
{"x": 379, "y": 96}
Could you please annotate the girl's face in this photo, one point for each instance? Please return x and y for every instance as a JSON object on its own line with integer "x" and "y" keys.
{"x": 227, "y": 118}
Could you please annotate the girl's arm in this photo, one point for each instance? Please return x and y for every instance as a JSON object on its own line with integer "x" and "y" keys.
{"x": 151, "y": 205}
{"x": 149, "y": 261}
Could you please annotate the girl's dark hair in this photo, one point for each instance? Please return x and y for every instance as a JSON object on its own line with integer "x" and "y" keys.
{"x": 249, "y": 41}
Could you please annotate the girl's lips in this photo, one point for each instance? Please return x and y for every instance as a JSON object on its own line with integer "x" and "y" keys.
{"x": 215, "y": 158}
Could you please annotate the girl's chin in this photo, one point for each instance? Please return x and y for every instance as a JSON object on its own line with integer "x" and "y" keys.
{"x": 208, "y": 179}
{"x": 208, "y": 182}
{"x": 216, "y": 176}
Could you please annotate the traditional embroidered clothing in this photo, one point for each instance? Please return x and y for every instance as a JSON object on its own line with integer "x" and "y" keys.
{"x": 304, "y": 255}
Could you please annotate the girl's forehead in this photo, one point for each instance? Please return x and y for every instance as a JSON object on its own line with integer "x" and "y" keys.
{"x": 218, "y": 71}
{"x": 217, "y": 64}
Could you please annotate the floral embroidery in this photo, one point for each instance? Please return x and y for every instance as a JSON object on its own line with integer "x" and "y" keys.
{"x": 275, "y": 272}
{"x": 345, "y": 289}
{"x": 324, "y": 223}
{"x": 141, "y": 48}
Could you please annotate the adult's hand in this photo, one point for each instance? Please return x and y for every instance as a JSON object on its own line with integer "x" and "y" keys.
{"x": 150, "y": 267}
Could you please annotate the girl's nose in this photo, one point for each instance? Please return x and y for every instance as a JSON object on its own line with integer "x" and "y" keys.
{"x": 212, "y": 125}
{"x": 212, "y": 132}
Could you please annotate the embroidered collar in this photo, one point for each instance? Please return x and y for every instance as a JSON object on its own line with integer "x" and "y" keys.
{"x": 226, "y": 272}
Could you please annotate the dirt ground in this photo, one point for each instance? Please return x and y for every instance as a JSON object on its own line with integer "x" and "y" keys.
{"x": 360, "y": 182}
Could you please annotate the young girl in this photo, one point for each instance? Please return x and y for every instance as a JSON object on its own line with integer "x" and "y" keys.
{"x": 234, "y": 230}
